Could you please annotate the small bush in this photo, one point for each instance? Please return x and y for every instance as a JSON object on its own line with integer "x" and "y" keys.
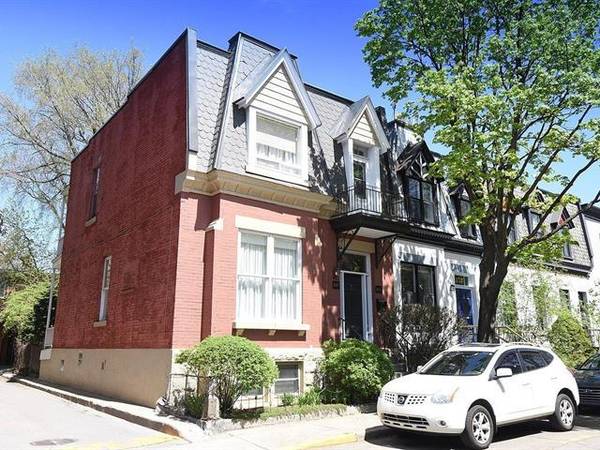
{"x": 194, "y": 405}
{"x": 569, "y": 340}
{"x": 288, "y": 399}
{"x": 310, "y": 397}
{"x": 235, "y": 364}
{"x": 417, "y": 333}
{"x": 353, "y": 371}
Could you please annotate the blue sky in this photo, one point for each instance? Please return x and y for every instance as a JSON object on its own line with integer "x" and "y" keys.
{"x": 320, "y": 33}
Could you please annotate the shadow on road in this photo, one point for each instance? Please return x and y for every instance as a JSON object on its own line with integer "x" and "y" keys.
{"x": 390, "y": 438}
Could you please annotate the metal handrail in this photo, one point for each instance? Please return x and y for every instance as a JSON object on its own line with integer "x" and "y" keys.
{"x": 370, "y": 200}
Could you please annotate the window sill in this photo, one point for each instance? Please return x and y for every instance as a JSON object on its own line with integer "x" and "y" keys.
{"x": 272, "y": 327}
{"x": 90, "y": 221}
{"x": 99, "y": 323}
{"x": 250, "y": 168}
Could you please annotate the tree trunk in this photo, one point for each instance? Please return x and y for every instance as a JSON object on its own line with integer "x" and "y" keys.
{"x": 492, "y": 271}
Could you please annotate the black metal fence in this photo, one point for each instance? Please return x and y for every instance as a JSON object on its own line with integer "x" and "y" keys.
{"x": 370, "y": 200}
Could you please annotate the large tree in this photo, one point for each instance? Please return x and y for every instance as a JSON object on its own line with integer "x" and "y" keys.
{"x": 58, "y": 103}
{"x": 512, "y": 89}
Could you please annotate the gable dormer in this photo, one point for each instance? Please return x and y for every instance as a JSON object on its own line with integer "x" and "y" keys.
{"x": 420, "y": 190}
{"x": 363, "y": 139}
{"x": 279, "y": 114}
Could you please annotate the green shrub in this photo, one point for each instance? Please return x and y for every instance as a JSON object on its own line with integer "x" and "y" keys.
{"x": 353, "y": 371}
{"x": 569, "y": 340}
{"x": 288, "y": 399}
{"x": 24, "y": 312}
{"x": 194, "y": 405}
{"x": 235, "y": 364}
{"x": 310, "y": 397}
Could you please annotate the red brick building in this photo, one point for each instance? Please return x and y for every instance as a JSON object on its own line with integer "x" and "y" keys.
{"x": 228, "y": 196}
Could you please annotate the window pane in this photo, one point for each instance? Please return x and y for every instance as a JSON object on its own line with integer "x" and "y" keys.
{"x": 276, "y": 145}
{"x": 414, "y": 188}
{"x": 532, "y": 360}
{"x": 510, "y": 360}
{"x": 429, "y": 213}
{"x": 353, "y": 263}
{"x": 414, "y": 208}
{"x": 427, "y": 190}
{"x": 288, "y": 379}
{"x": 425, "y": 282}
{"x": 286, "y": 258}
{"x": 359, "y": 171}
{"x": 285, "y": 294}
{"x": 253, "y": 258}
{"x": 251, "y": 297}
{"x": 106, "y": 273}
{"x": 409, "y": 295}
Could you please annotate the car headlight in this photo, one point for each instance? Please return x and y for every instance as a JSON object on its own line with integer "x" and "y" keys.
{"x": 443, "y": 396}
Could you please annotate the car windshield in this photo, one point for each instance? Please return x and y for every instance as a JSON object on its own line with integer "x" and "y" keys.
{"x": 459, "y": 363}
{"x": 591, "y": 364}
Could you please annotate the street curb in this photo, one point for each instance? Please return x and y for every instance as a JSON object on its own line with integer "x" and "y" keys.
{"x": 154, "y": 424}
{"x": 344, "y": 438}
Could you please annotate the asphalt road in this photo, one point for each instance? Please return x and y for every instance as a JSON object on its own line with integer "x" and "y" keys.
{"x": 31, "y": 419}
{"x": 527, "y": 436}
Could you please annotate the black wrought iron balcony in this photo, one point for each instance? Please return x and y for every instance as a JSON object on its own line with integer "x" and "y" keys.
{"x": 366, "y": 199}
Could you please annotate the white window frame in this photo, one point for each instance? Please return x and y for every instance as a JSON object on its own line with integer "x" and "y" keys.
{"x": 301, "y": 146}
{"x": 269, "y": 321}
{"x": 104, "y": 288}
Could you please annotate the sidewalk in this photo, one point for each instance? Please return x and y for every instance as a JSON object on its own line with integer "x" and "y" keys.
{"x": 299, "y": 435}
{"x": 137, "y": 414}
{"x": 291, "y": 436}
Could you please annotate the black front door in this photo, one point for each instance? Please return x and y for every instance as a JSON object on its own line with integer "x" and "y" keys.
{"x": 353, "y": 305}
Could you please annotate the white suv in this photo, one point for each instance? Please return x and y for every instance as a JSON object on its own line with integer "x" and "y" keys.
{"x": 471, "y": 389}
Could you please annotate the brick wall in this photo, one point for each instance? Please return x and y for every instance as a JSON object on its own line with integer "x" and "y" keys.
{"x": 214, "y": 255}
{"x": 139, "y": 152}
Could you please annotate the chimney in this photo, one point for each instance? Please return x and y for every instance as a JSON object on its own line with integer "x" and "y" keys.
{"x": 380, "y": 110}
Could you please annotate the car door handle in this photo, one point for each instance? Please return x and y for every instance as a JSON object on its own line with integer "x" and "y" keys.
{"x": 554, "y": 378}
{"x": 526, "y": 384}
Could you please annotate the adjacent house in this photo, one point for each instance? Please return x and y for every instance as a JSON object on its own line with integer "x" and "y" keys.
{"x": 229, "y": 196}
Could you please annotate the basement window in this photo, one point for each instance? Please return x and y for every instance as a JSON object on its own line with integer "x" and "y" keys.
{"x": 288, "y": 380}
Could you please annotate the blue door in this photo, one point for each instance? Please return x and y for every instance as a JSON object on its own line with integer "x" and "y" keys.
{"x": 464, "y": 311}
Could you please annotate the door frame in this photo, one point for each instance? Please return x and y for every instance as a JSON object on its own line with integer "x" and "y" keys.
{"x": 470, "y": 289}
{"x": 367, "y": 302}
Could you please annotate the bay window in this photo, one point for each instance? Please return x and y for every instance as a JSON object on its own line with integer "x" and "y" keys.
{"x": 268, "y": 284}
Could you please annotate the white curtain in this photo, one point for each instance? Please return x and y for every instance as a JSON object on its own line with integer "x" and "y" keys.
{"x": 268, "y": 278}
{"x": 286, "y": 280}
{"x": 277, "y": 145}
{"x": 252, "y": 279}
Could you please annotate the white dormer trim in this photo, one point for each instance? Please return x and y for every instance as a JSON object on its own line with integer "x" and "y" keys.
{"x": 252, "y": 85}
{"x": 352, "y": 117}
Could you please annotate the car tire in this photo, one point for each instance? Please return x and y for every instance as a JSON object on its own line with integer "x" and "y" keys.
{"x": 563, "y": 418}
{"x": 479, "y": 428}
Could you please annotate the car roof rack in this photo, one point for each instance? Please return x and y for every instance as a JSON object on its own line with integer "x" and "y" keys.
{"x": 478, "y": 344}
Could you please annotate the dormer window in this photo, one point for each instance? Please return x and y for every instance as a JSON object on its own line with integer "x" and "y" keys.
{"x": 277, "y": 146}
{"x": 279, "y": 114}
{"x": 462, "y": 206}
{"x": 421, "y": 201}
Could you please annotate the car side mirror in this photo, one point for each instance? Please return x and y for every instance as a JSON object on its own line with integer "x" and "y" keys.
{"x": 504, "y": 372}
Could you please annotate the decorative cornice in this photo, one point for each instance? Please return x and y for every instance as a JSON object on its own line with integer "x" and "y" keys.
{"x": 256, "y": 188}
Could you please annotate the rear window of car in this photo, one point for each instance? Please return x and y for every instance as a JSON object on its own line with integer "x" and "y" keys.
{"x": 547, "y": 356}
{"x": 532, "y": 360}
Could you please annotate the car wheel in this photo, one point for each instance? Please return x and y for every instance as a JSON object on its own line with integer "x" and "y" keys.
{"x": 479, "y": 428}
{"x": 563, "y": 418}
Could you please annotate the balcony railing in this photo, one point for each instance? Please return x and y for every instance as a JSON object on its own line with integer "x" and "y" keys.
{"x": 366, "y": 199}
